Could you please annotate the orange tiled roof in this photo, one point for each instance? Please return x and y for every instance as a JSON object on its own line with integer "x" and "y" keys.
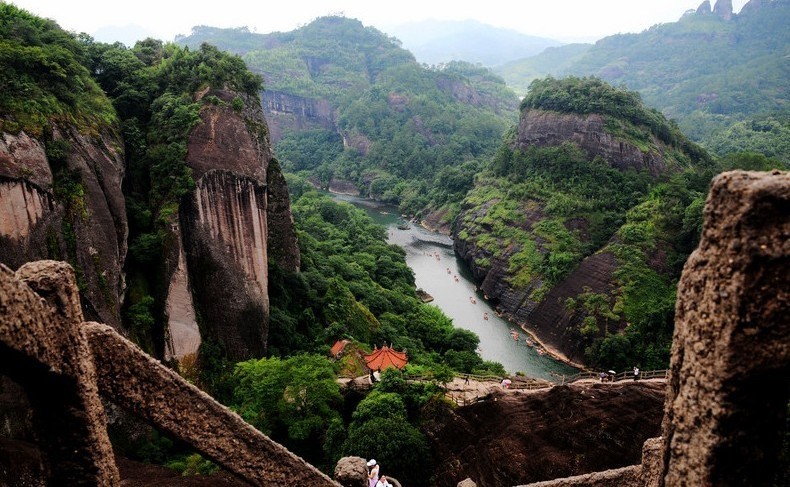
{"x": 338, "y": 347}
{"x": 384, "y": 358}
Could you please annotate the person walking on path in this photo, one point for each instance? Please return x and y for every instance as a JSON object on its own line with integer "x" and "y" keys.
{"x": 636, "y": 373}
{"x": 373, "y": 474}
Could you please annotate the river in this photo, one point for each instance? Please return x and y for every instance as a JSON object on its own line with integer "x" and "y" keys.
{"x": 430, "y": 255}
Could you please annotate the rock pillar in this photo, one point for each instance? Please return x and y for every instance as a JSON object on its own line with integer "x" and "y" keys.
{"x": 730, "y": 368}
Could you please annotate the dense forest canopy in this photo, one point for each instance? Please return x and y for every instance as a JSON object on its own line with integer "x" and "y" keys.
{"x": 44, "y": 77}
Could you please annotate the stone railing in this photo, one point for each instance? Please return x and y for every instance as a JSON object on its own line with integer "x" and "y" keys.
{"x": 47, "y": 349}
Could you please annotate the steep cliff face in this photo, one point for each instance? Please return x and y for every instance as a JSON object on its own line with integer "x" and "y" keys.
{"x": 517, "y": 439}
{"x": 573, "y": 232}
{"x": 541, "y": 128}
{"x": 286, "y": 111}
{"x": 66, "y": 203}
{"x": 218, "y": 264}
{"x": 283, "y": 247}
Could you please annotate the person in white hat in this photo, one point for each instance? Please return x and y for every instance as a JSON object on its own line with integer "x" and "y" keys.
{"x": 373, "y": 474}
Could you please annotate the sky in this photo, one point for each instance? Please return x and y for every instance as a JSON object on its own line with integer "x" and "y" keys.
{"x": 563, "y": 20}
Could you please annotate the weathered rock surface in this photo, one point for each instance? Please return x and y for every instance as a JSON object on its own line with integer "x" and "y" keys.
{"x": 42, "y": 350}
{"x": 568, "y": 430}
{"x": 283, "y": 246}
{"x": 224, "y": 227}
{"x": 555, "y": 326}
{"x": 547, "y": 129}
{"x": 728, "y": 393}
{"x": 352, "y": 472}
{"x": 237, "y": 215}
{"x": 85, "y": 224}
{"x": 287, "y": 111}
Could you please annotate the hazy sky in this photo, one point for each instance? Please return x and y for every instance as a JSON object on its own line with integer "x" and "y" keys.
{"x": 563, "y": 20}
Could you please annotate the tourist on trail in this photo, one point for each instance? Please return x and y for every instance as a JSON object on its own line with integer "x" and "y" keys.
{"x": 466, "y": 380}
{"x": 373, "y": 473}
{"x": 383, "y": 482}
{"x": 636, "y": 373}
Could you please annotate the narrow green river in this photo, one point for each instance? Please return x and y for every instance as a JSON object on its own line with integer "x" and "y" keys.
{"x": 439, "y": 273}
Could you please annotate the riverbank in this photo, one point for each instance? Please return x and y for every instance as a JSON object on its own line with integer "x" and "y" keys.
{"x": 441, "y": 274}
{"x": 551, "y": 351}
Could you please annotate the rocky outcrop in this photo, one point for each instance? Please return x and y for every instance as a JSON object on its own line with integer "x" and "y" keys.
{"x": 352, "y": 472}
{"x": 283, "y": 246}
{"x": 723, "y": 9}
{"x": 726, "y": 408}
{"x": 704, "y": 8}
{"x": 236, "y": 218}
{"x": 285, "y": 111}
{"x": 462, "y": 91}
{"x": 547, "y": 129}
{"x": 224, "y": 231}
{"x": 513, "y": 439}
{"x": 728, "y": 390}
{"x": 67, "y": 203}
{"x": 557, "y": 326}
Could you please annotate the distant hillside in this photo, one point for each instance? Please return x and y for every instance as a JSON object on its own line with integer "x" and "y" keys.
{"x": 711, "y": 71}
{"x": 553, "y": 61}
{"x": 437, "y": 41}
{"x": 579, "y": 227}
{"x": 346, "y": 102}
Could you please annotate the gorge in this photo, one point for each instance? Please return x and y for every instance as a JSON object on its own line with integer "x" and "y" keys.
{"x": 205, "y": 279}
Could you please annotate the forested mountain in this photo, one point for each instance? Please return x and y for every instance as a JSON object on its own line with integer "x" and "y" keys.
{"x": 346, "y": 101}
{"x": 580, "y": 226}
{"x": 442, "y": 41}
{"x": 163, "y": 151}
{"x": 722, "y": 76}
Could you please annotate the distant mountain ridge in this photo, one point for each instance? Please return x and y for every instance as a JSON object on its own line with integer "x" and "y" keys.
{"x": 346, "y": 102}
{"x": 711, "y": 70}
{"x": 441, "y": 41}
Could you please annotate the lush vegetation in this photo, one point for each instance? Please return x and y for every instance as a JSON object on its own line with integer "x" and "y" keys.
{"x": 152, "y": 88}
{"x": 414, "y": 135}
{"x": 545, "y": 209}
{"x": 43, "y": 78}
{"x": 352, "y": 285}
{"x": 713, "y": 76}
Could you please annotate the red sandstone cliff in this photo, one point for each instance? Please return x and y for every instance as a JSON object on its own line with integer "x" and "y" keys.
{"x": 226, "y": 226}
{"x": 66, "y": 203}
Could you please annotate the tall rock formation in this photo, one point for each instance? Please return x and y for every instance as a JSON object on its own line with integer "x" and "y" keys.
{"x": 723, "y": 9}
{"x": 704, "y": 8}
{"x": 61, "y": 198}
{"x": 218, "y": 273}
